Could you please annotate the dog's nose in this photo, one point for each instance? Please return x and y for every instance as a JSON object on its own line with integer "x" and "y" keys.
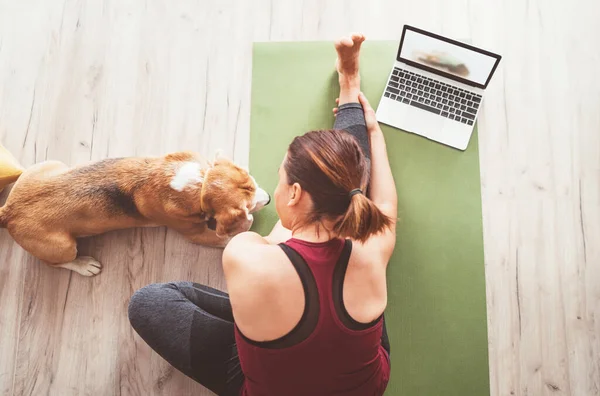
{"x": 268, "y": 199}
{"x": 262, "y": 197}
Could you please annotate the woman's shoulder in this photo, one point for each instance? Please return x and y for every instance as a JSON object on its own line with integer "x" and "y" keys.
{"x": 247, "y": 246}
{"x": 248, "y": 254}
{"x": 256, "y": 277}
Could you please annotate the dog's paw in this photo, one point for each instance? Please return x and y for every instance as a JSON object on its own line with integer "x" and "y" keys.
{"x": 84, "y": 265}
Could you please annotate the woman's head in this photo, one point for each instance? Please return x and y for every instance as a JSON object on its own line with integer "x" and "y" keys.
{"x": 320, "y": 170}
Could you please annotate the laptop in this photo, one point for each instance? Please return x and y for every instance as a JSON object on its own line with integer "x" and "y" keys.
{"x": 436, "y": 87}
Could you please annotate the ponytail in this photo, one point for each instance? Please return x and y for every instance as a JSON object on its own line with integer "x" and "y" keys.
{"x": 329, "y": 165}
{"x": 362, "y": 219}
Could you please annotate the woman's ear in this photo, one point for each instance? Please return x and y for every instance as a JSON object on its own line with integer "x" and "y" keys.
{"x": 295, "y": 194}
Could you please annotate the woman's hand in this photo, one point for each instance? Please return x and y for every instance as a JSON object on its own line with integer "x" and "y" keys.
{"x": 370, "y": 117}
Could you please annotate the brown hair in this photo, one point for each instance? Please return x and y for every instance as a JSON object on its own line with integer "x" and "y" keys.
{"x": 328, "y": 165}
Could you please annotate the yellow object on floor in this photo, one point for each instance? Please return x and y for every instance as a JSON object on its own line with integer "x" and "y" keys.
{"x": 10, "y": 170}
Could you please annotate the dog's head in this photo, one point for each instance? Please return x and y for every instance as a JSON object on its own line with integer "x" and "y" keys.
{"x": 224, "y": 191}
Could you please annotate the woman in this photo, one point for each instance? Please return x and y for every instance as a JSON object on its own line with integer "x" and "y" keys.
{"x": 304, "y": 314}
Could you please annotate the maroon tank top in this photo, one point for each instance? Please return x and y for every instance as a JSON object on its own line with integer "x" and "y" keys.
{"x": 331, "y": 358}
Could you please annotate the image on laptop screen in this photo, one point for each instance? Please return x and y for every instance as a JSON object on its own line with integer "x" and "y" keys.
{"x": 447, "y": 57}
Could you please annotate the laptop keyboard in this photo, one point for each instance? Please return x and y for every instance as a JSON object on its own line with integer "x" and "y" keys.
{"x": 433, "y": 96}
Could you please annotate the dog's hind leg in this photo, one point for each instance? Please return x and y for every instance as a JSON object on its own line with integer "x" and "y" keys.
{"x": 84, "y": 265}
{"x": 59, "y": 250}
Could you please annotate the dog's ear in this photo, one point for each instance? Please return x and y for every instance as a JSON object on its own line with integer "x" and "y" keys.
{"x": 219, "y": 154}
{"x": 233, "y": 221}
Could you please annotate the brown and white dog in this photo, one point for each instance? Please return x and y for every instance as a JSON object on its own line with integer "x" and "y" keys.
{"x": 51, "y": 204}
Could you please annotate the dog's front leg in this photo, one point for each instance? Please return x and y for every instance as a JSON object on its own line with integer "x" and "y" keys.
{"x": 202, "y": 235}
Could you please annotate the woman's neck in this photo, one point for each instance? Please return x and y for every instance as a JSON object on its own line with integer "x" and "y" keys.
{"x": 312, "y": 233}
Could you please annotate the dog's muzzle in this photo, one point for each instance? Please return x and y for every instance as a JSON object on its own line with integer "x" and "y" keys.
{"x": 262, "y": 199}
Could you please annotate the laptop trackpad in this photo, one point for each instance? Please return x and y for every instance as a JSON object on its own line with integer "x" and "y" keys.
{"x": 424, "y": 123}
{"x": 410, "y": 118}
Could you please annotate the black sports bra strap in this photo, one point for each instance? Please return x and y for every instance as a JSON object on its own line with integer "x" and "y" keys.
{"x": 345, "y": 256}
{"x": 309, "y": 284}
{"x": 297, "y": 260}
{"x": 339, "y": 275}
{"x": 310, "y": 316}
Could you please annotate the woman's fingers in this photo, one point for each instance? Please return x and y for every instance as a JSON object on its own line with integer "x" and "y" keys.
{"x": 370, "y": 117}
{"x": 364, "y": 102}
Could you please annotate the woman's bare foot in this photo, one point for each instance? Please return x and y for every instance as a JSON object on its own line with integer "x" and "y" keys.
{"x": 348, "y": 49}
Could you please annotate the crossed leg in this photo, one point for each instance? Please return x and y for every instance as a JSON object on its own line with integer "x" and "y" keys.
{"x": 190, "y": 326}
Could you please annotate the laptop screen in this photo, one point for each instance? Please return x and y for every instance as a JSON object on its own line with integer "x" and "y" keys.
{"x": 454, "y": 60}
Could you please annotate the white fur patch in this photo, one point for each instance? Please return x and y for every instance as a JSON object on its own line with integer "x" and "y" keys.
{"x": 248, "y": 215}
{"x": 260, "y": 195}
{"x": 187, "y": 176}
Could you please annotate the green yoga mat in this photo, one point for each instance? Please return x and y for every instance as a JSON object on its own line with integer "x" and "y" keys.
{"x": 436, "y": 313}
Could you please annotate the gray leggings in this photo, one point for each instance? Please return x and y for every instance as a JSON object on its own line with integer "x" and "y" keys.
{"x": 191, "y": 325}
{"x": 351, "y": 118}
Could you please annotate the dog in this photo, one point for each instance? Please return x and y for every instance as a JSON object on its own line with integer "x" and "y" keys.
{"x": 51, "y": 205}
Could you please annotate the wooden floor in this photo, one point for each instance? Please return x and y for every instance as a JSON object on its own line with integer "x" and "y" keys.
{"x": 84, "y": 80}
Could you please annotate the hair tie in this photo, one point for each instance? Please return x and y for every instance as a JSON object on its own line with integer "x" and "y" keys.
{"x": 354, "y": 192}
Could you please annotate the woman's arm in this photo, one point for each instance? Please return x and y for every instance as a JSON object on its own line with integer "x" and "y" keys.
{"x": 382, "y": 187}
{"x": 382, "y": 190}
